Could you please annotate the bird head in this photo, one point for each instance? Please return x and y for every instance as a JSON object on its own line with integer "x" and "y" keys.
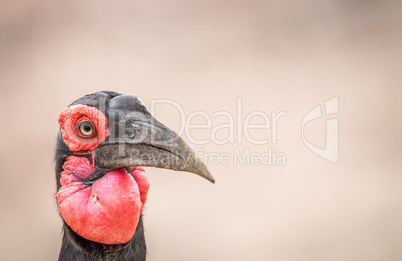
{"x": 105, "y": 140}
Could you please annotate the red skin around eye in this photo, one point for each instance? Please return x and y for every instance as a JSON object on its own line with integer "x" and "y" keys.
{"x": 71, "y": 116}
{"x": 107, "y": 211}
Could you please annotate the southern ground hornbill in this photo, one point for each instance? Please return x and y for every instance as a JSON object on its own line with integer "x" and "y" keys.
{"x": 104, "y": 139}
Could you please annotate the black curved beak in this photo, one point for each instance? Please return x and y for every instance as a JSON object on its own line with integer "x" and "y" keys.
{"x": 138, "y": 139}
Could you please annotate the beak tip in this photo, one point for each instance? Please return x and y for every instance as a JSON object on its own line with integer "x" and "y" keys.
{"x": 209, "y": 177}
{"x": 203, "y": 171}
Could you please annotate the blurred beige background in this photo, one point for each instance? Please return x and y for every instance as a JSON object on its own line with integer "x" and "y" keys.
{"x": 277, "y": 56}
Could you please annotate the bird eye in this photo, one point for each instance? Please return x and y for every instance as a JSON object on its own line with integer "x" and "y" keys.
{"x": 86, "y": 129}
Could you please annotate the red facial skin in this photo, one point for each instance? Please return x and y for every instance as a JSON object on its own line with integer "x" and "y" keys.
{"x": 71, "y": 116}
{"x": 108, "y": 210}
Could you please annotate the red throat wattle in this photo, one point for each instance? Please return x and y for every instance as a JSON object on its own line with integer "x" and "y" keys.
{"x": 106, "y": 210}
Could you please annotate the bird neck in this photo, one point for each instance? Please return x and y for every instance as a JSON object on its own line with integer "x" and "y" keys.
{"x": 74, "y": 247}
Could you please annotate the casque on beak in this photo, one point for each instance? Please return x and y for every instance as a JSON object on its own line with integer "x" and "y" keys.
{"x": 138, "y": 139}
